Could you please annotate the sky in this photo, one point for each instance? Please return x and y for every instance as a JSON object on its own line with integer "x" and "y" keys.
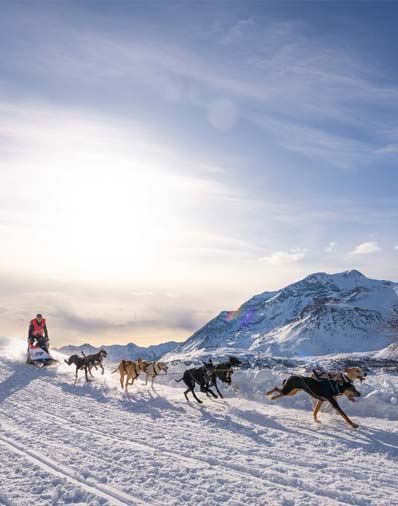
{"x": 163, "y": 161}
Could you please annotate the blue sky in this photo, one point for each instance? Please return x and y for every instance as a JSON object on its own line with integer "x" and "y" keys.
{"x": 161, "y": 161}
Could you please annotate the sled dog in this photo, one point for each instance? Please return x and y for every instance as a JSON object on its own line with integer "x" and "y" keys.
{"x": 324, "y": 390}
{"x": 201, "y": 376}
{"x": 131, "y": 370}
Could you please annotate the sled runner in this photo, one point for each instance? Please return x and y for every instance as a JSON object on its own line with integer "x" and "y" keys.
{"x": 39, "y": 357}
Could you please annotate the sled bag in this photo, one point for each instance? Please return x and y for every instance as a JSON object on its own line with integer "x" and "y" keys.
{"x": 37, "y": 354}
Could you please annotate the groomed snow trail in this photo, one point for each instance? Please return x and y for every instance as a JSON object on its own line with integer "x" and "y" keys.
{"x": 90, "y": 444}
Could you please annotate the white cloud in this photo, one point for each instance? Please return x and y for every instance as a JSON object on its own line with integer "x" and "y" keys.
{"x": 366, "y": 248}
{"x": 331, "y": 247}
{"x": 390, "y": 149}
{"x": 285, "y": 257}
{"x": 396, "y": 247}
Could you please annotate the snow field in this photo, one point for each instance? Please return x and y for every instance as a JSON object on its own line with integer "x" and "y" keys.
{"x": 90, "y": 444}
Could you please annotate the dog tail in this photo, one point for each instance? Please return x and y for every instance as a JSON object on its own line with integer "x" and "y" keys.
{"x": 66, "y": 362}
{"x": 84, "y": 355}
{"x": 177, "y": 381}
{"x": 117, "y": 368}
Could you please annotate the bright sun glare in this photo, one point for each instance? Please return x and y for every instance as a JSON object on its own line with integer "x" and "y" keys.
{"x": 108, "y": 209}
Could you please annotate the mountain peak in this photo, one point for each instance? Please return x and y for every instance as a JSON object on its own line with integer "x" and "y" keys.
{"x": 322, "y": 313}
{"x": 353, "y": 273}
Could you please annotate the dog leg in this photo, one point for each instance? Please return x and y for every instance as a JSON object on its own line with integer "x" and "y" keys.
{"x": 212, "y": 393}
{"x": 341, "y": 412}
{"x": 102, "y": 367}
{"x": 193, "y": 393}
{"x": 276, "y": 397}
{"x": 127, "y": 383}
{"x": 317, "y": 408}
{"x": 76, "y": 376}
{"x": 218, "y": 391}
{"x": 270, "y": 392}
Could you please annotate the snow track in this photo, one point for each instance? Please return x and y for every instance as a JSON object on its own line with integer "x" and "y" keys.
{"x": 92, "y": 445}
{"x": 115, "y": 497}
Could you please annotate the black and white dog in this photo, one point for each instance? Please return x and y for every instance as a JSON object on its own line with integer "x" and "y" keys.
{"x": 202, "y": 376}
{"x": 95, "y": 359}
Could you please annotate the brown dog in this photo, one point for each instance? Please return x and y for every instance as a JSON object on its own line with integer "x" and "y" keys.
{"x": 350, "y": 374}
{"x": 130, "y": 369}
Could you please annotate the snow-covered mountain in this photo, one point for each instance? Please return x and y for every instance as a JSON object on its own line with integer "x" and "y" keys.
{"x": 117, "y": 352}
{"x": 389, "y": 353}
{"x": 321, "y": 314}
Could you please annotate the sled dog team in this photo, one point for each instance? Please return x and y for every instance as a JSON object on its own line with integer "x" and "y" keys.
{"x": 322, "y": 386}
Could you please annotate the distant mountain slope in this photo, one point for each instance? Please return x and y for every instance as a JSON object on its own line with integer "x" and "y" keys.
{"x": 118, "y": 352}
{"x": 321, "y": 314}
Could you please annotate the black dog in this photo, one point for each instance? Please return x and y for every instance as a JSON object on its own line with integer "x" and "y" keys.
{"x": 96, "y": 359}
{"x": 200, "y": 375}
{"x": 324, "y": 390}
{"x": 224, "y": 372}
{"x": 80, "y": 363}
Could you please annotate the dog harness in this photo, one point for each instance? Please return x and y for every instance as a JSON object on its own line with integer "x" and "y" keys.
{"x": 154, "y": 365}
{"x": 333, "y": 386}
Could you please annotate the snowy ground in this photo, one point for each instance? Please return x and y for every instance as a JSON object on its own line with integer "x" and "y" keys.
{"x": 90, "y": 444}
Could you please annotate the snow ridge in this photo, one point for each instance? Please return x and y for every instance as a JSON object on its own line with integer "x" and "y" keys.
{"x": 322, "y": 313}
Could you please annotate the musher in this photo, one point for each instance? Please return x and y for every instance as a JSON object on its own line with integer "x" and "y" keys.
{"x": 38, "y": 333}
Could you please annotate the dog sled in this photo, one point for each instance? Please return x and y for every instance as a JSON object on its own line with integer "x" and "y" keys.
{"x": 39, "y": 357}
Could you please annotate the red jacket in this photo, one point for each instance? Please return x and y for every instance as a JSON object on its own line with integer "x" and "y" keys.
{"x": 38, "y": 329}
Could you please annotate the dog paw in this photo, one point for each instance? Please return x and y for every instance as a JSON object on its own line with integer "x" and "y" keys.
{"x": 354, "y": 425}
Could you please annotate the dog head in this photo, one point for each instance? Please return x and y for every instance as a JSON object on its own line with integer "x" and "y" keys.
{"x": 72, "y": 359}
{"x": 355, "y": 373}
{"x": 350, "y": 391}
{"x": 224, "y": 372}
{"x": 234, "y": 361}
{"x": 103, "y": 353}
{"x": 162, "y": 366}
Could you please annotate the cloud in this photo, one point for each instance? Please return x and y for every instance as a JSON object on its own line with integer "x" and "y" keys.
{"x": 396, "y": 247}
{"x": 331, "y": 248}
{"x": 388, "y": 149}
{"x": 170, "y": 317}
{"x": 366, "y": 248}
{"x": 285, "y": 257}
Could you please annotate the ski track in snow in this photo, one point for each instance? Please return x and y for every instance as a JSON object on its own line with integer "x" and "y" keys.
{"x": 90, "y": 444}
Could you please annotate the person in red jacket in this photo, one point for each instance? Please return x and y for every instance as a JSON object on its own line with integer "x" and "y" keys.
{"x": 38, "y": 333}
